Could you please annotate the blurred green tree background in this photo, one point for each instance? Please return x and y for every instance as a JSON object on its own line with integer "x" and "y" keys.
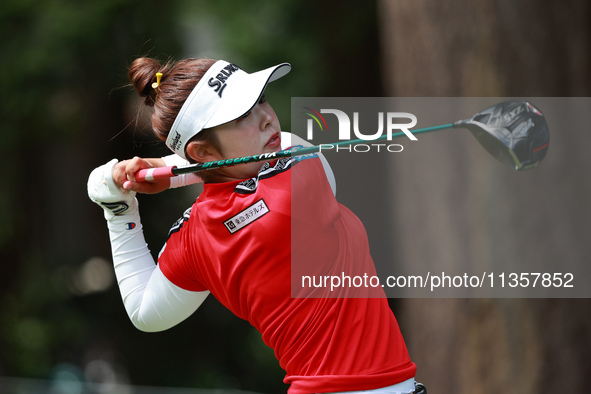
{"x": 67, "y": 109}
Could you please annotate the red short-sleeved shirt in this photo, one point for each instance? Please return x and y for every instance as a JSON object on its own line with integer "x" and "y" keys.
{"x": 236, "y": 241}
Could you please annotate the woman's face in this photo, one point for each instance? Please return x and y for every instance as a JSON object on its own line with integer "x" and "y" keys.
{"x": 254, "y": 133}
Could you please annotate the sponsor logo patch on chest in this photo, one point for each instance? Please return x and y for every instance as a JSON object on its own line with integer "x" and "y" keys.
{"x": 247, "y": 216}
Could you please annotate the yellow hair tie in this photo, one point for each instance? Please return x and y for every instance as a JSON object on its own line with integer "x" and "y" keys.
{"x": 156, "y": 84}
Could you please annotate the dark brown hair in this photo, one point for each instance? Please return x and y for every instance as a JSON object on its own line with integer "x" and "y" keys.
{"x": 177, "y": 82}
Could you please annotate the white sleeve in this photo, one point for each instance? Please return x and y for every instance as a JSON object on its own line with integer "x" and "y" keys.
{"x": 183, "y": 179}
{"x": 152, "y": 302}
{"x": 289, "y": 139}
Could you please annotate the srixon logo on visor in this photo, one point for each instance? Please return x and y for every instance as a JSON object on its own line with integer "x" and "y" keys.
{"x": 218, "y": 83}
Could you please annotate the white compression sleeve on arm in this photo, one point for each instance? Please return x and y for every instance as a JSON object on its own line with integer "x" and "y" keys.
{"x": 152, "y": 302}
{"x": 183, "y": 179}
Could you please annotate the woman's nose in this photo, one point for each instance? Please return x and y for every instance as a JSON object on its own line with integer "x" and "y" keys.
{"x": 265, "y": 116}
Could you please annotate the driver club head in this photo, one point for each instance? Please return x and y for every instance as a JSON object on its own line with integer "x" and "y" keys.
{"x": 515, "y": 132}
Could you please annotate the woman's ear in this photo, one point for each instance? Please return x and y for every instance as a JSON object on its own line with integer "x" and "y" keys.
{"x": 202, "y": 152}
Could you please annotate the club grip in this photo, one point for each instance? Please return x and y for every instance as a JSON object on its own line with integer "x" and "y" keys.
{"x": 151, "y": 174}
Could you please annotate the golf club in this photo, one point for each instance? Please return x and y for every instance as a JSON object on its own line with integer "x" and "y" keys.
{"x": 515, "y": 132}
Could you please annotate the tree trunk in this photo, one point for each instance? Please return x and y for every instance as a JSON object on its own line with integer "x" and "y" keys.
{"x": 501, "y": 49}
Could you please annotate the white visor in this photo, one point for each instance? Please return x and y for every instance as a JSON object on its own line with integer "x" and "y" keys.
{"x": 224, "y": 94}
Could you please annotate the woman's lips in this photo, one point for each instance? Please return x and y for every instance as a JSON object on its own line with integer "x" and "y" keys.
{"x": 274, "y": 141}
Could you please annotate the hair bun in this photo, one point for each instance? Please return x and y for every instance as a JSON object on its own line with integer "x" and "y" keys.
{"x": 142, "y": 74}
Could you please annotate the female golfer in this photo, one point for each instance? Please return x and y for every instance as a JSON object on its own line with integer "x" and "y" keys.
{"x": 253, "y": 231}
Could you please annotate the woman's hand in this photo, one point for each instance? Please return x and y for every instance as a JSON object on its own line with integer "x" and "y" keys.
{"x": 124, "y": 175}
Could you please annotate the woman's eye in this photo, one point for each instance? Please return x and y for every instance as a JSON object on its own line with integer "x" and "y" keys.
{"x": 244, "y": 116}
{"x": 261, "y": 101}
